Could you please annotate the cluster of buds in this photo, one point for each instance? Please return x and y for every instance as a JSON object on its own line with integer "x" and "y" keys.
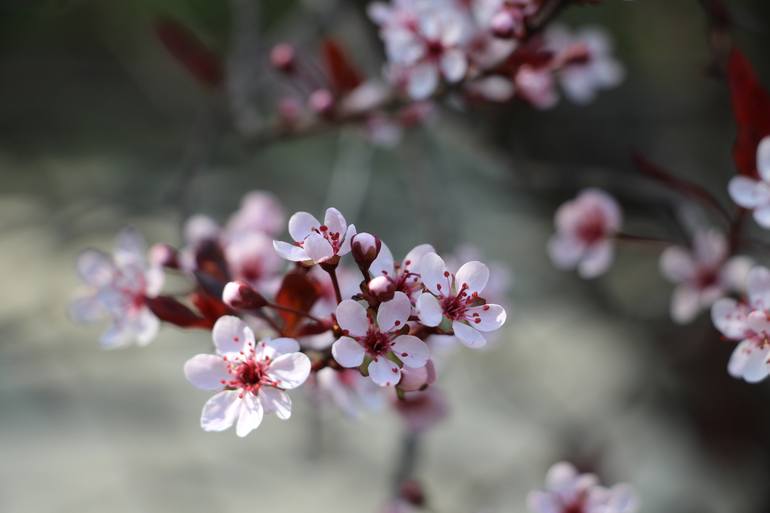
{"x": 286, "y": 313}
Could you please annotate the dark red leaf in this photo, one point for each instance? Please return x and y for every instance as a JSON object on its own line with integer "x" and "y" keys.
{"x": 168, "y": 309}
{"x": 751, "y": 107}
{"x": 204, "y": 64}
{"x": 299, "y": 293}
{"x": 212, "y": 308}
{"x": 343, "y": 74}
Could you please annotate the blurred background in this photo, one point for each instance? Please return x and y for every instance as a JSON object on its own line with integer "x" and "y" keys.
{"x": 101, "y": 128}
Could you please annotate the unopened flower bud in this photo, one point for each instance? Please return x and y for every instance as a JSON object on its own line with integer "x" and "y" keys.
{"x": 382, "y": 288}
{"x": 417, "y": 379}
{"x": 240, "y": 295}
{"x": 283, "y": 58}
{"x": 164, "y": 255}
{"x": 321, "y": 101}
{"x": 503, "y": 24}
{"x": 365, "y": 247}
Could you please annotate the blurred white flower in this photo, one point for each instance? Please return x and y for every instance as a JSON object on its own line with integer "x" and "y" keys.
{"x": 755, "y": 194}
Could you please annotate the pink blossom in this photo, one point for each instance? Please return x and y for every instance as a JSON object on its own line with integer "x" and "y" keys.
{"x": 750, "y": 324}
{"x": 117, "y": 288}
{"x": 348, "y": 390}
{"x": 362, "y": 337}
{"x": 585, "y": 62}
{"x": 567, "y": 491}
{"x": 315, "y": 242}
{"x": 250, "y": 378}
{"x": 703, "y": 274}
{"x": 755, "y": 194}
{"x": 456, "y": 297}
{"x": 536, "y": 85}
{"x": 389, "y": 276}
{"x": 585, "y": 227}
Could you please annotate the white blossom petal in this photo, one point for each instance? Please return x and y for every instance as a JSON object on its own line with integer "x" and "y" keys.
{"x": 676, "y": 264}
{"x": 422, "y": 81}
{"x": 411, "y": 350}
{"x": 219, "y": 412}
{"x": 758, "y": 287}
{"x": 453, "y": 65}
{"x": 383, "y": 264}
{"x": 473, "y": 274}
{"x": 489, "y": 317}
{"x": 302, "y": 224}
{"x": 335, "y": 221}
{"x": 231, "y": 335}
{"x": 290, "y": 251}
{"x": 412, "y": 259}
{"x": 87, "y": 309}
{"x": 565, "y": 251}
{"x": 470, "y": 337}
{"x": 206, "y": 371}
{"x": 596, "y": 260}
{"x": 250, "y": 415}
{"x": 145, "y": 326}
{"x": 384, "y": 372}
{"x": 543, "y": 502}
{"x": 351, "y": 317}
{"x": 762, "y": 216}
{"x": 748, "y": 193}
{"x": 289, "y": 370}
{"x": 95, "y": 268}
{"x": 434, "y": 274}
{"x": 275, "y": 401}
{"x": 685, "y": 304}
{"x": 429, "y": 310}
{"x": 345, "y": 246}
{"x": 729, "y": 317}
{"x": 348, "y": 353}
{"x": 318, "y": 248}
{"x": 763, "y": 158}
{"x": 392, "y": 315}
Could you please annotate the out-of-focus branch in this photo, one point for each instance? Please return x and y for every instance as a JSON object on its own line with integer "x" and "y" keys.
{"x": 407, "y": 460}
{"x": 243, "y": 65}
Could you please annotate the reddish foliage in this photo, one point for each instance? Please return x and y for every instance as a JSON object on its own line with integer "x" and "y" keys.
{"x": 343, "y": 74}
{"x": 168, "y": 309}
{"x": 212, "y": 308}
{"x": 751, "y": 107}
{"x": 300, "y": 293}
{"x": 189, "y": 50}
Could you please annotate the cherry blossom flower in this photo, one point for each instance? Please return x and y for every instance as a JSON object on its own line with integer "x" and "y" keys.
{"x": 260, "y": 212}
{"x": 389, "y": 276}
{"x": 702, "y": 274}
{"x": 536, "y": 85}
{"x": 585, "y": 62}
{"x": 315, "y": 242}
{"x": 424, "y": 42}
{"x": 117, "y": 288}
{"x": 456, "y": 297}
{"x": 379, "y": 342}
{"x": 250, "y": 378}
{"x": 747, "y": 322}
{"x": 755, "y": 194}
{"x": 584, "y": 230}
{"x": 567, "y": 491}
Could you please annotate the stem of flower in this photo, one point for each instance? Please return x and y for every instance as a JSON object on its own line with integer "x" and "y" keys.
{"x": 627, "y": 237}
{"x": 407, "y": 460}
{"x": 294, "y": 311}
{"x": 333, "y": 275}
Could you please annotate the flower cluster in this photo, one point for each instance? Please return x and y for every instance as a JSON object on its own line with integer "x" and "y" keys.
{"x": 568, "y": 491}
{"x": 286, "y": 313}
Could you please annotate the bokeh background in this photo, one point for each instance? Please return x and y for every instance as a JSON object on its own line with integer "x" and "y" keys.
{"x": 100, "y": 128}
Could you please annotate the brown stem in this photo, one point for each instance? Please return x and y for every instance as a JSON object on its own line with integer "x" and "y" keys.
{"x": 294, "y": 311}
{"x": 628, "y": 237}
{"x": 332, "y": 270}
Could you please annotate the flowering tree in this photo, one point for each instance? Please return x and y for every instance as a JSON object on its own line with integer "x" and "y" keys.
{"x": 330, "y": 312}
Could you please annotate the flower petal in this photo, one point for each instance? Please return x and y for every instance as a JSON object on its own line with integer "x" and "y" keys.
{"x": 275, "y": 401}
{"x": 470, "y": 337}
{"x": 232, "y": 335}
{"x": 351, "y": 317}
{"x": 206, "y": 371}
{"x": 290, "y": 251}
{"x": 383, "y": 264}
{"x": 489, "y": 317}
{"x": 392, "y": 315}
{"x": 219, "y": 412}
{"x": 145, "y": 326}
{"x": 710, "y": 247}
{"x": 762, "y": 216}
{"x": 348, "y": 353}
{"x": 345, "y": 246}
{"x": 473, "y": 274}
{"x": 596, "y": 260}
{"x": 335, "y": 221}
{"x": 95, "y": 268}
{"x": 763, "y": 158}
{"x": 729, "y": 317}
{"x": 283, "y": 345}
{"x": 565, "y": 251}
{"x": 429, "y": 310}
{"x": 676, "y": 264}
{"x": 414, "y": 257}
{"x": 411, "y": 350}
{"x": 384, "y": 372}
{"x": 748, "y": 193}
{"x": 422, "y": 81}
{"x": 560, "y": 475}
{"x": 543, "y": 502}
{"x": 250, "y": 416}
{"x": 302, "y": 224}
{"x": 318, "y": 248}
{"x": 130, "y": 247}
{"x": 434, "y": 274}
{"x": 685, "y": 304}
{"x": 87, "y": 309}
{"x": 289, "y": 370}
{"x": 757, "y": 367}
{"x": 758, "y": 322}
{"x": 758, "y": 287}
{"x": 453, "y": 65}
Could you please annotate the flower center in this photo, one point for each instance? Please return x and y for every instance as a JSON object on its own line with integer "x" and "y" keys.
{"x": 376, "y": 342}
{"x": 706, "y": 277}
{"x": 592, "y": 228}
{"x": 333, "y": 238}
{"x": 455, "y": 306}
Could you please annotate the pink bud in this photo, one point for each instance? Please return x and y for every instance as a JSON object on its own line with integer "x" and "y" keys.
{"x": 164, "y": 255}
{"x": 240, "y": 296}
{"x": 412, "y": 492}
{"x": 382, "y": 288}
{"x": 503, "y": 24}
{"x": 321, "y": 101}
{"x": 365, "y": 247}
{"x": 417, "y": 379}
{"x": 289, "y": 111}
{"x": 282, "y": 57}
